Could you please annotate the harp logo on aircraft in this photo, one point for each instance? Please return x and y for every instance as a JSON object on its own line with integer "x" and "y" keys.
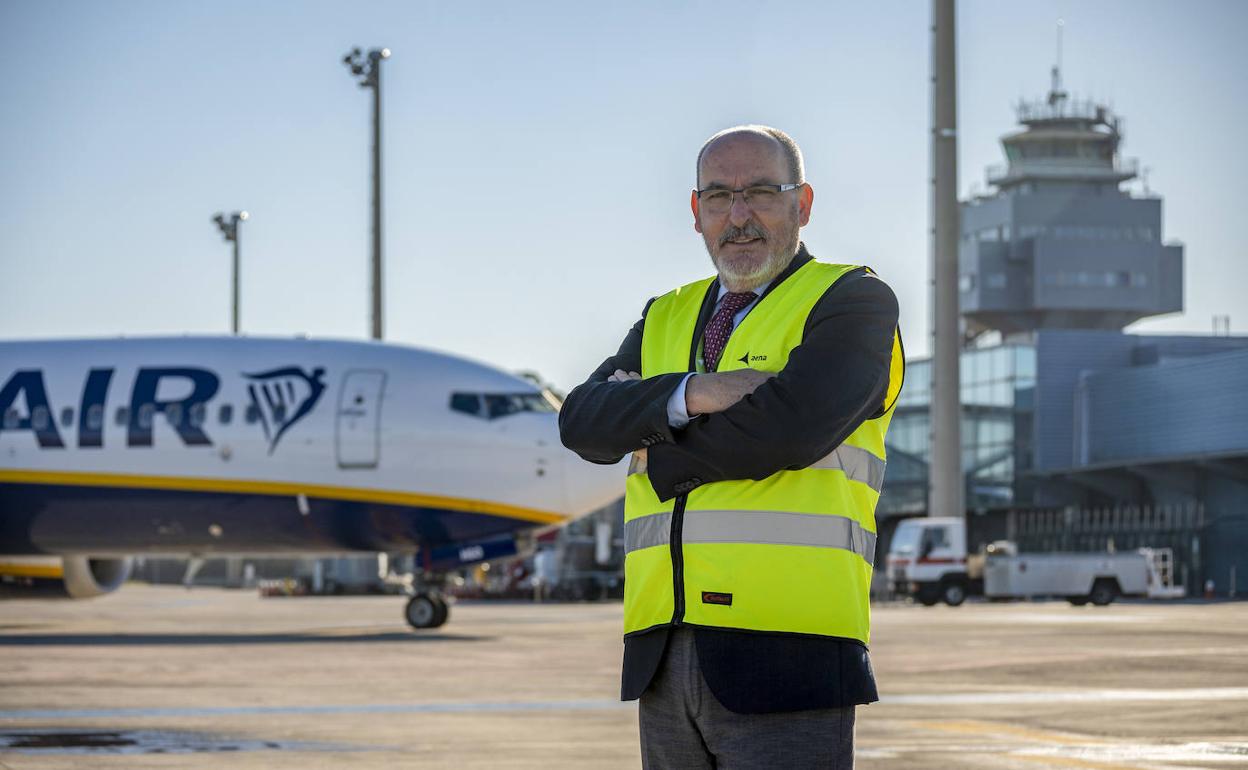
{"x": 279, "y": 399}
{"x": 282, "y": 397}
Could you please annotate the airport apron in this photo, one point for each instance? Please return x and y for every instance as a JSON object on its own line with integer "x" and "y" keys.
{"x": 791, "y": 553}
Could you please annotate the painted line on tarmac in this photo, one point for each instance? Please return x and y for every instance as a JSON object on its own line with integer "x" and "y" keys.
{"x": 1066, "y": 696}
{"x": 1224, "y": 751}
{"x": 361, "y": 708}
{"x": 981, "y": 727}
{"x": 933, "y": 699}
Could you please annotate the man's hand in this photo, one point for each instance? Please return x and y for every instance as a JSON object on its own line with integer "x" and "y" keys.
{"x": 716, "y": 391}
{"x": 622, "y": 376}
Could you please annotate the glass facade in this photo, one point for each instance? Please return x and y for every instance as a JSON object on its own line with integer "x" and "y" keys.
{"x": 997, "y": 388}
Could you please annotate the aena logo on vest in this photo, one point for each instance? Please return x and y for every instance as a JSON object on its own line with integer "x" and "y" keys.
{"x": 279, "y": 399}
{"x": 748, "y": 359}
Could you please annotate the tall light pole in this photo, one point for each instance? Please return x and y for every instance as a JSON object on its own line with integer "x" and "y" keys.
{"x": 946, "y": 488}
{"x": 368, "y": 69}
{"x": 229, "y": 230}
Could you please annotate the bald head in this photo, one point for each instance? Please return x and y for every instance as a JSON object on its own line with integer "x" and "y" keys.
{"x": 788, "y": 151}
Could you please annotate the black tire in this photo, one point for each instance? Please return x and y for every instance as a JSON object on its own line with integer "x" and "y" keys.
{"x": 424, "y": 611}
{"x": 1078, "y": 601}
{"x": 953, "y": 592}
{"x": 928, "y": 595}
{"x": 444, "y": 610}
{"x": 1104, "y": 591}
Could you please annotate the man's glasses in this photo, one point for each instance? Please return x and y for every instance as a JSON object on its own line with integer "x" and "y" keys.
{"x": 760, "y": 197}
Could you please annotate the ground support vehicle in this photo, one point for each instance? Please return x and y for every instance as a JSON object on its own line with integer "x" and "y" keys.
{"x": 928, "y": 560}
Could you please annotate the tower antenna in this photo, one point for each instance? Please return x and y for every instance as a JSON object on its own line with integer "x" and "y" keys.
{"x": 1056, "y": 93}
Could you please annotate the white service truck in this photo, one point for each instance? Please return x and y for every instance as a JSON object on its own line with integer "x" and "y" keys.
{"x": 928, "y": 559}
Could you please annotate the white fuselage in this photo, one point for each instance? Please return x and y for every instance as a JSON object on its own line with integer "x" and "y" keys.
{"x": 228, "y": 444}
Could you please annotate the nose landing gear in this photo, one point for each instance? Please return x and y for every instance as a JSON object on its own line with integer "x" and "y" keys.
{"x": 427, "y": 609}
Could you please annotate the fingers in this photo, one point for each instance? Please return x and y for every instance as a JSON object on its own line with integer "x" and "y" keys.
{"x": 622, "y": 376}
{"x": 638, "y": 463}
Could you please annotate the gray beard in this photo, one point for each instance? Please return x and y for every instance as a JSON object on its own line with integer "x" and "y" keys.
{"x": 775, "y": 263}
{"x": 739, "y": 281}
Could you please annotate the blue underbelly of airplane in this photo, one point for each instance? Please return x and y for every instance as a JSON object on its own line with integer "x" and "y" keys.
{"x": 102, "y": 520}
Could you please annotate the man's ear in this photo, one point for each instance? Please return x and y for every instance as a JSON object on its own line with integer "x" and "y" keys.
{"x": 697, "y": 217}
{"x": 805, "y": 198}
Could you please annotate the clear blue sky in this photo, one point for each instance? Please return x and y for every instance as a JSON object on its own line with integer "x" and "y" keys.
{"x": 539, "y": 155}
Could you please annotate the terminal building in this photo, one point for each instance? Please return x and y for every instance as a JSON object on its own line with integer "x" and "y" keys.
{"x": 1075, "y": 433}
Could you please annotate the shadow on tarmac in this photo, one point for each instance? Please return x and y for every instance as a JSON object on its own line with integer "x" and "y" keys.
{"x": 121, "y": 640}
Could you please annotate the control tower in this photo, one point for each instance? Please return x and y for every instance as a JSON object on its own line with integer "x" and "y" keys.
{"x": 1058, "y": 244}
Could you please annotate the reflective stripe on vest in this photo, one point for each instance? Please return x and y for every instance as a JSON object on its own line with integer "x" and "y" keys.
{"x": 769, "y": 527}
{"x": 857, "y": 464}
{"x": 791, "y": 553}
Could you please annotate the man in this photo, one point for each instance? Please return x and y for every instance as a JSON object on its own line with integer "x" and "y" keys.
{"x": 755, "y": 405}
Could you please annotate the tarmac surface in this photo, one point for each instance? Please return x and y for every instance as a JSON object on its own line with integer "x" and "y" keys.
{"x": 158, "y": 677}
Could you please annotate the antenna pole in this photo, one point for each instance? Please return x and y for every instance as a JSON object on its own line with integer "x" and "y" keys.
{"x": 1055, "y": 90}
{"x": 1060, "y": 23}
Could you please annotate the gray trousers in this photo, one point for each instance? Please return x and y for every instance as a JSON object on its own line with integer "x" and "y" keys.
{"x": 684, "y": 726}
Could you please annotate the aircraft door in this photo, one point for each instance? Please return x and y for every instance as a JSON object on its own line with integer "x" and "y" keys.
{"x": 358, "y": 428}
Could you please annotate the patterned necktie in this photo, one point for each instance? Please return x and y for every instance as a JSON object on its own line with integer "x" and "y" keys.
{"x": 720, "y": 326}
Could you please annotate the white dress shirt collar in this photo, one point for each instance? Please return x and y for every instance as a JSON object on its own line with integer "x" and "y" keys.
{"x": 758, "y": 290}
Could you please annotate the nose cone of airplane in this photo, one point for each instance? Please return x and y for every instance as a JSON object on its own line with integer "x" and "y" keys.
{"x": 591, "y": 486}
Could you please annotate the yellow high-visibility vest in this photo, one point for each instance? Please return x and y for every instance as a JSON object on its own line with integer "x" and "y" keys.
{"x": 791, "y": 553}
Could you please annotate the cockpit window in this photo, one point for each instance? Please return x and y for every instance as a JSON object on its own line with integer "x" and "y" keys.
{"x": 468, "y": 403}
{"x": 501, "y": 405}
{"x": 491, "y": 406}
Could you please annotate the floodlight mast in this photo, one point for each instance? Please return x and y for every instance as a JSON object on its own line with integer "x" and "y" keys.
{"x": 946, "y": 493}
{"x": 229, "y": 230}
{"x": 367, "y": 67}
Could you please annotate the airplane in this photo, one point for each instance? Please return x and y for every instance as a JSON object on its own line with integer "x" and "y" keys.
{"x": 208, "y": 444}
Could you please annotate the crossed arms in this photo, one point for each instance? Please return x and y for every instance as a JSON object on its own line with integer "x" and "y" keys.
{"x": 751, "y": 424}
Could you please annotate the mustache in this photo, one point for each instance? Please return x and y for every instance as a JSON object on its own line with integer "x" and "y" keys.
{"x": 750, "y": 230}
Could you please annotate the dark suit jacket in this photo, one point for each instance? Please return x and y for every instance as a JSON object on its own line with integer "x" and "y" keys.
{"x": 836, "y": 378}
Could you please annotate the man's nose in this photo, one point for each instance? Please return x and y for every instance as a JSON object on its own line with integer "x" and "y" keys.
{"x": 740, "y": 213}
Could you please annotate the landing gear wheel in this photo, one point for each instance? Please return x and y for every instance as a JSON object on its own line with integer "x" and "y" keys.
{"x": 425, "y": 611}
{"x": 444, "y": 610}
